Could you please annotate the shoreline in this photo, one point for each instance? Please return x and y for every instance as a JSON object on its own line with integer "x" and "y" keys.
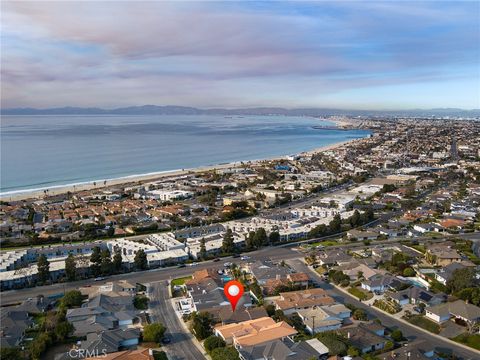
{"x": 38, "y": 193}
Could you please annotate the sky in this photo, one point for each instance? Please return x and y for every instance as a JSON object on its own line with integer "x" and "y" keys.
{"x": 338, "y": 54}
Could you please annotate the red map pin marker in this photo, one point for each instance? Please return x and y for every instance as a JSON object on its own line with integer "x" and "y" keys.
{"x": 233, "y": 291}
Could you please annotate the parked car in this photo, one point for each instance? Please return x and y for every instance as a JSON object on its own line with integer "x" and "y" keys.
{"x": 227, "y": 264}
{"x": 245, "y": 257}
{"x": 216, "y": 260}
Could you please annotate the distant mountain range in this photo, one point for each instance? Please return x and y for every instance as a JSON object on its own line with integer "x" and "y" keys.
{"x": 184, "y": 110}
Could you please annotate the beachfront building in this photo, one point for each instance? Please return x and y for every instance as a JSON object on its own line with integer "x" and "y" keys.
{"x": 169, "y": 195}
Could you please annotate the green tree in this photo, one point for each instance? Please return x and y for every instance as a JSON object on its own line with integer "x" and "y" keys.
{"x": 117, "y": 260}
{"x": 472, "y": 295}
{"x": 43, "y": 266}
{"x": 355, "y": 219}
{"x": 461, "y": 279}
{"x": 318, "y": 231}
{"x": 260, "y": 238}
{"x": 70, "y": 267}
{"x": 202, "y": 325}
{"x": 10, "y": 353}
{"x": 153, "y": 332}
{"x": 353, "y": 351}
{"x": 274, "y": 237}
{"x": 335, "y": 225}
{"x": 106, "y": 266}
{"x": 250, "y": 240}
{"x": 397, "y": 335}
{"x": 270, "y": 309}
{"x": 72, "y": 298}
{"x": 63, "y": 330}
{"x": 408, "y": 272}
{"x": 334, "y": 342}
{"x": 224, "y": 353}
{"x": 96, "y": 260}
{"x": 213, "y": 342}
{"x": 228, "y": 245}
{"x": 140, "y": 260}
{"x": 39, "y": 345}
{"x": 360, "y": 314}
{"x": 203, "y": 249}
{"x": 140, "y": 302}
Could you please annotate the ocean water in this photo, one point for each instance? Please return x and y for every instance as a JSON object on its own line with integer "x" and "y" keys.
{"x": 45, "y": 151}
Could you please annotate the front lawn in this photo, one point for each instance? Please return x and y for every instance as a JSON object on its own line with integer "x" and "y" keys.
{"x": 420, "y": 248}
{"x": 360, "y": 293}
{"x": 324, "y": 243}
{"x": 472, "y": 340}
{"x": 424, "y": 323}
{"x": 180, "y": 281}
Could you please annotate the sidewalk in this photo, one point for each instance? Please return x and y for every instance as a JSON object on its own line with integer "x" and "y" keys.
{"x": 448, "y": 341}
{"x": 187, "y": 330}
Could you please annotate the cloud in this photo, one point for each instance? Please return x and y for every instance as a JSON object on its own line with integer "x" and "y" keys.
{"x": 227, "y": 54}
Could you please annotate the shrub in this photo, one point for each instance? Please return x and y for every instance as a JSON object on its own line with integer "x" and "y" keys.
{"x": 397, "y": 335}
{"x": 408, "y": 272}
{"x": 140, "y": 302}
{"x": 72, "y": 298}
{"x": 213, "y": 342}
{"x": 225, "y": 353}
{"x": 153, "y": 332}
{"x": 360, "y": 314}
{"x": 202, "y": 325}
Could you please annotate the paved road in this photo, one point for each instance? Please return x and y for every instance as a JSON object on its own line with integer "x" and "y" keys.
{"x": 143, "y": 277}
{"x": 161, "y": 310}
{"x": 282, "y": 252}
{"x": 409, "y": 331}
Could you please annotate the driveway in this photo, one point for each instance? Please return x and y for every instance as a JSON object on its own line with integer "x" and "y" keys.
{"x": 161, "y": 310}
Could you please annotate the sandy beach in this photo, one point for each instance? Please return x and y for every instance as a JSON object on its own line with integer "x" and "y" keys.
{"x": 139, "y": 179}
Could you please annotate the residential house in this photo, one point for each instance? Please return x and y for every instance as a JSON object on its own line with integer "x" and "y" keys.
{"x": 459, "y": 309}
{"x": 102, "y": 313}
{"x": 254, "y": 332}
{"x": 443, "y": 254}
{"x": 205, "y": 293}
{"x": 110, "y": 341}
{"x": 365, "y": 337}
{"x": 446, "y": 272}
{"x": 227, "y": 316}
{"x": 298, "y": 280}
{"x": 428, "y": 227}
{"x": 13, "y": 324}
{"x": 362, "y": 235}
{"x": 324, "y": 318}
{"x": 266, "y": 270}
{"x": 415, "y": 350}
{"x": 290, "y": 302}
{"x": 285, "y": 350}
{"x": 382, "y": 282}
{"x": 143, "y": 354}
{"x": 416, "y": 295}
{"x": 333, "y": 257}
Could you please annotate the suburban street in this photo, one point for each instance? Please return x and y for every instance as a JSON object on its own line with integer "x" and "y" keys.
{"x": 143, "y": 277}
{"x": 182, "y": 346}
{"x": 161, "y": 310}
{"x": 409, "y": 331}
{"x": 282, "y": 252}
